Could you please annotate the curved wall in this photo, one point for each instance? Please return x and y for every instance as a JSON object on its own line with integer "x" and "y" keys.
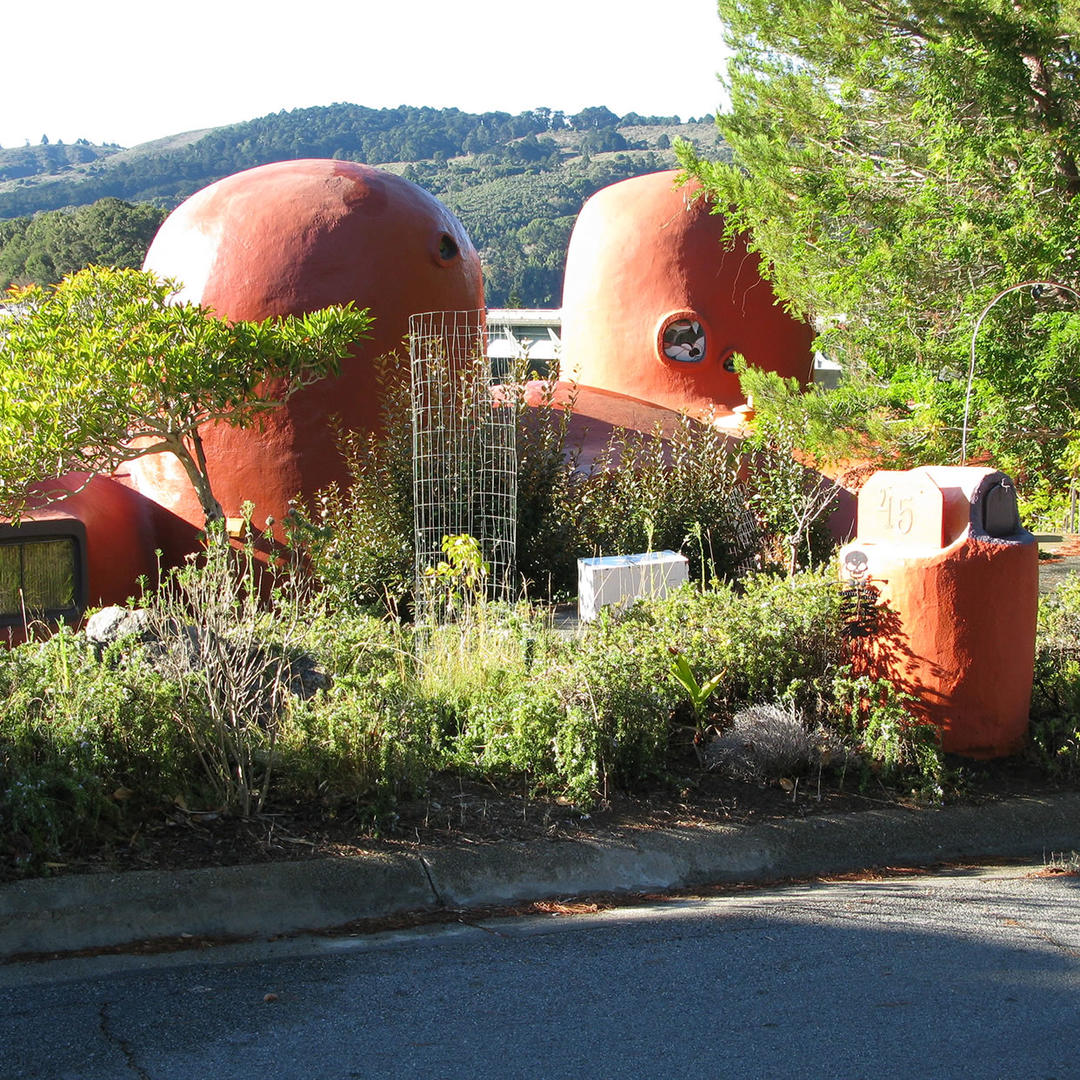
{"x": 655, "y": 301}
{"x": 294, "y": 237}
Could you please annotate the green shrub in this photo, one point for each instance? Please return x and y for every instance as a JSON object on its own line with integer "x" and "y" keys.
{"x": 84, "y": 743}
{"x": 357, "y": 540}
{"x": 773, "y": 638}
{"x": 875, "y": 716}
{"x": 645, "y": 491}
{"x": 675, "y": 491}
{"x": 87, "y": 742}
{"x": 792, "y": 502}
{"x": 360, "y": 742}
{"x": 1055, "y": 705}
{"x": 616, "y": 688}
{"x": 549, "y": 536}
{"x": 777, "y": 639}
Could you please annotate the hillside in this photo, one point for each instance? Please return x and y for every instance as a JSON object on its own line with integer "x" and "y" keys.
{"x": 517, "y": 182}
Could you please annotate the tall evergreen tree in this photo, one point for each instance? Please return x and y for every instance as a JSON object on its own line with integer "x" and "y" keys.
{"x": 899, "y": 163}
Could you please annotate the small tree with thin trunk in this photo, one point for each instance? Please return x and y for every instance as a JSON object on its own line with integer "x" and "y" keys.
{"x": 105, "y": 367}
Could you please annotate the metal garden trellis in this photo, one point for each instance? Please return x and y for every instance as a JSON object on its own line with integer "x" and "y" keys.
{"x": 464, "y": 451}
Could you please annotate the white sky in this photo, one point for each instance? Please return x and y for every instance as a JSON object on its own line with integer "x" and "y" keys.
{"x": 128, "y": 71}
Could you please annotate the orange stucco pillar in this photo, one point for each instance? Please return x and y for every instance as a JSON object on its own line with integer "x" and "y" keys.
{"x": 945, "y": 551}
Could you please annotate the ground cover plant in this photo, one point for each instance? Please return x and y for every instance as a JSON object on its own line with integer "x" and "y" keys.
{"x": 251, "y": 690}
{"x": 95, "y": 742}
{"x": 1056, "y": 701}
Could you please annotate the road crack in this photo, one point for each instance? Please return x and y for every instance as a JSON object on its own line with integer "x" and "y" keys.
{"x": 120, "y": 1043}
{"x": 1042, "y": 935}
{"x": 430, "y": 880}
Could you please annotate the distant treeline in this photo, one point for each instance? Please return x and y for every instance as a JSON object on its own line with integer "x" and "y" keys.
{"x": 516, "y": 181}
{"x": 46, "y": 247}
{"x": 49, "y": 158}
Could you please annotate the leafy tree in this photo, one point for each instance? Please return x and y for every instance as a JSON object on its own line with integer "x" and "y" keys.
{"x": 45, "y": 248}
{"x": 602, "y": 140}
{"x": 105, "y": 368}
{"x": 901, "y": 162}
{"x": 594, "y": 118}
{"x": 633, "y": 119}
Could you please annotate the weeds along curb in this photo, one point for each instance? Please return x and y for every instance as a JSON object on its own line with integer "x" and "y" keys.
{"x": 57, "y": 915}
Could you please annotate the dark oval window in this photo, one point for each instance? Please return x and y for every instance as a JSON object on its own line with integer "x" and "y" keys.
{"x": 448, "y": 247}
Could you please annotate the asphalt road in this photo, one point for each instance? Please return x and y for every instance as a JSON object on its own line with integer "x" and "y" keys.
{"x": 972, "y": 974}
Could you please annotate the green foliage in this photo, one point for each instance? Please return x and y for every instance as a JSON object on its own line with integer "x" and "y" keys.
{"x": 458, "y": 582}
{"x": 517, "y": 182}
{"x": 677, "y": 489}
{"x": 899, "y": 163}
{"x": 878, "y": 717}
{"x": 672, "y": 490}
{"x": 358, "y": 539}
{"x": 618, "y": 690}
{"x": 85, "y": 745}
{"x": 1055, "y": 707}
{"x": 792, "y": 501}
{"x": 231, "y": 657}
{"x": 362, "y": 742}
{"x": 90, "y": 745}
{"x": 45, "y": 248}
{"x": 105, "y": 368}
{"x": 698, "y": 692}
{"x": 861, "y": 419}
{"x": 774, "y": 638}
{"x": 548, "y": 479}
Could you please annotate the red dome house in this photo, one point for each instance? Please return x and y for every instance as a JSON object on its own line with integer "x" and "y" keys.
{"x": 656, "y": 302}
{"x": 286, "y": 238}
{"x": 290, "y": 238}
{"x": 654, "y": 307}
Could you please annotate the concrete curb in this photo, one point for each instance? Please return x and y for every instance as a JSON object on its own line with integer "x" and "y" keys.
{"x": 84, "y": 912}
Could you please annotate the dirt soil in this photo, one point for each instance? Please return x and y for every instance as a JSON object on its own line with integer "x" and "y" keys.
{"x": 457, "y": 813}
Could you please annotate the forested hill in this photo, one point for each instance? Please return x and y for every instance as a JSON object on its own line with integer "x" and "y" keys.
{"x": 516, "y": 181}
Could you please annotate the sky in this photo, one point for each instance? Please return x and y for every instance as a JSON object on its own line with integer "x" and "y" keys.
{"x": 129, "y": 71}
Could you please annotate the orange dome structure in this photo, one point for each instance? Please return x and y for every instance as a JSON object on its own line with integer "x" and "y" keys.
{"x": 281, "y": 239}
{"x": 656, "y": 302}
{"x": 290, "y": 238}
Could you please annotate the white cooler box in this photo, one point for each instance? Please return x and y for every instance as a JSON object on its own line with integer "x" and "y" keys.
{"x": 622, "y": 579}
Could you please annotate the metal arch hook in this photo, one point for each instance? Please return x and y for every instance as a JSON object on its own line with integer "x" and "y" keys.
{"x": 1033, "y": 285}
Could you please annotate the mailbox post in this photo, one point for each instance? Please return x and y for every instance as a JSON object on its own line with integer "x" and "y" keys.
{"x": 945, "y": 550}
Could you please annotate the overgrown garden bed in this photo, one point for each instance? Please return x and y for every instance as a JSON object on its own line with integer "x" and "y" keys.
{"x": 457, "y": 731}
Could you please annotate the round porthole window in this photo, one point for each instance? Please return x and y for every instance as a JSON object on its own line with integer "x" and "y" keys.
{"x": 683, "y": 340}
{"x": 446, "y": 249}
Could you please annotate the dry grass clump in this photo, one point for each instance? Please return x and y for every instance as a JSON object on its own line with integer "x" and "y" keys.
{"x": 767, "y": 742}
